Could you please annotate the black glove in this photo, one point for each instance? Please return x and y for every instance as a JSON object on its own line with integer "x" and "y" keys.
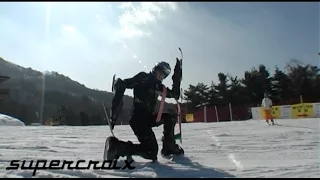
{"x": 177, "y": 75}
{"x": 176, "y": 92}
{"x": 117, "y": 102}
{"x": 115, "y": 112}
{"x": 176, "y": 78}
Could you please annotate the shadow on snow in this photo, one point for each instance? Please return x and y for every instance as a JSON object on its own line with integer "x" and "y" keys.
{"x": 186, "y": 168}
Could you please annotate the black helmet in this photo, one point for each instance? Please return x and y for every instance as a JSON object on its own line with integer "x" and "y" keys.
{"x": 163, "y": 67}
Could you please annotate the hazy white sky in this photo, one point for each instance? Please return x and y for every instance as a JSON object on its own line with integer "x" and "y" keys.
{"x": 89, "y": 42}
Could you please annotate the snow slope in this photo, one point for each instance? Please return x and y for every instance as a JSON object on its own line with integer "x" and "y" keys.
{"x": 6, "y": 120}
{"x": 230, "y": 149}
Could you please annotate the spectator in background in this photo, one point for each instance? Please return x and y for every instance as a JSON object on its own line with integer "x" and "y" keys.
{"x": 267, "y": 105}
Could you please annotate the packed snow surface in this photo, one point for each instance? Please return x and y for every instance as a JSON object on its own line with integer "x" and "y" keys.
{"x": 226, "y": 149}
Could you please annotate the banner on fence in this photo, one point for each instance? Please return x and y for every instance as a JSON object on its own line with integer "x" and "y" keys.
{"x": 302, "y": 110}
{"x": 276, "y": 112}
{"x": 189, "y": 117}
{"x": 295, "y": 111}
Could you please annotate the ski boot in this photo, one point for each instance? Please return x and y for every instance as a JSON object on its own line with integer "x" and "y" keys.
{"x": 170, "y": 147}
{"x": 115, "y": 149}
{"x": 272, "y": 121}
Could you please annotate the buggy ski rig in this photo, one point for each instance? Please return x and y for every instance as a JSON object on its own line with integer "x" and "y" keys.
{"x": 178, "y": 136}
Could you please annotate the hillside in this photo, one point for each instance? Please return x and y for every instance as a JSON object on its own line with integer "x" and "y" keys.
{"x": 62, "y": 96}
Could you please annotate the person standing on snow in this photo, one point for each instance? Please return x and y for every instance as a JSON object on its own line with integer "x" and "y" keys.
{"x": 267, "y": 106}
{"x": 146, "y": 89}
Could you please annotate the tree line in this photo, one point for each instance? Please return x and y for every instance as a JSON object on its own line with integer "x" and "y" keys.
{"x": 284, "y": 86}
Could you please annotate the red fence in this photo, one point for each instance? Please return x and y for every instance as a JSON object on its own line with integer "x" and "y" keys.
{"x": 238, "y": 113}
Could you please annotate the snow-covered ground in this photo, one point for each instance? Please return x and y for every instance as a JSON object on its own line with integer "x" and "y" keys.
{"x": 230, "y": 149}
{"x": 6, "y": 120}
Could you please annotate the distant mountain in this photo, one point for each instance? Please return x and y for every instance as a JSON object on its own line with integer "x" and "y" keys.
{"x": 28, "y": 87}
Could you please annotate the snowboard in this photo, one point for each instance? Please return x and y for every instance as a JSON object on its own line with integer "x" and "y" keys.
{"x": 179, "y": 118}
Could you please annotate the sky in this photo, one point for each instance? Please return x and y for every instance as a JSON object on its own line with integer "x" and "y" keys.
{"x": 91, "y": 41}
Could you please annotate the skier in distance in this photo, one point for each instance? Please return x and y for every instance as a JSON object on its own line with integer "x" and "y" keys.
{"x": 266, "y": 104}
{"x": 146, "y": 89}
